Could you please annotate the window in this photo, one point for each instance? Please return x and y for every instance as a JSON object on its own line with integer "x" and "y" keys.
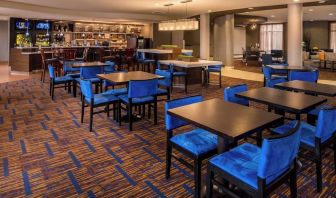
{"x": 333, "y": 36}
{"x": 271, "y": 37}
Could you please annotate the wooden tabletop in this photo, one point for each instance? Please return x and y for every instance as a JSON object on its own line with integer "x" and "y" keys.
{"x": 308, "y": 87}
{"x": 88, "y": 64}
{"x": 292, "y": 67}
{"x": 125, "y": 77}
{"x": 228, "y": 120}
{"x": 186, "y": 64}
{"x": 288, "y": 101}
{"x": 162, "y": 51}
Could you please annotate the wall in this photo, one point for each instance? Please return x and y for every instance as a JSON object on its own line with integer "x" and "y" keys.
{"x": 252, "y": 36}
{"x": 318, "y": 31}
{"x": 239, "y": 36}
{"x": 177, "y": 38}
{"x": 192, "y": 41}
{"x": 161, "y": 37}
{"x": 4, "y": 41}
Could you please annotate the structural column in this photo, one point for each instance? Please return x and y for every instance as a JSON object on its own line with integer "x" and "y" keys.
{"x": 205, "y": 36}
{"x": 223, "y": 39}
{"x": 294, "y": 34}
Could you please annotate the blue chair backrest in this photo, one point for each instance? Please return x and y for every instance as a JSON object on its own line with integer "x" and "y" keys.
{"x": 51, "y": 71}
{"x": 143, "y": 56}
{"x": 171, "y": 68}
{"x": 90, "y": 72}
{"x": 173, "y": 122}
{"x": 309, "y": 76}
{"x": 267, "y": 59}
{"x": 86, "y": 88}
{"x": 158, "y": 65}
{"x": 110, "y": 68}
{"x": 326, "y": 123}
{"x": 215, "y": 67}
{"x": 267, "y": 71}
{"x": 166, "y": 82}
{"x": 230, "y": 94}
{"x": 142, "y": 88}
{"x": 67, "y": 68}
{"x": 277, "y": 154}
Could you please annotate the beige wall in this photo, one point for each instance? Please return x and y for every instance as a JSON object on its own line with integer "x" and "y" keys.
{"x": 4, "y": 41}
{"x": 318, "y": 31}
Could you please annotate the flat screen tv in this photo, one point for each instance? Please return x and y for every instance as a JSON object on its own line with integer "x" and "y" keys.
{"x": 42, "y": 26}
{"x": 22, "y": 25}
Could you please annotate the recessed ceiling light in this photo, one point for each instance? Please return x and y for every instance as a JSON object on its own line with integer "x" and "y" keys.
{"x": 156, "y": 4}
{"x": 272, "y": 16}
{"x": 209, "y": 11}
{"x": 296, "y": 0}
{"x": 246, "y": 12}
{"x": 311, "y": 20}
{"x": 250, "y": 8}
{"x": 321, "y": 1}
{"x": 310, "y": 10}
{"x": 330, "y": 14}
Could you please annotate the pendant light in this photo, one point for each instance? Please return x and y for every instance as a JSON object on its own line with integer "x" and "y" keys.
{"x": 47, "y": 34}
{"x": 27, "y": 28}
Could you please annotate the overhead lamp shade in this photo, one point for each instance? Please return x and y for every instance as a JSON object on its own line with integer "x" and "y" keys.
{"x": 182, "y": 24}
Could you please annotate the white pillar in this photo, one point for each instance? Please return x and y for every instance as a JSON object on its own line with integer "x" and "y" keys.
{"x": 223, "y": 39}
{"x": 205, "y": 36}
{"x": 294, "y": 34}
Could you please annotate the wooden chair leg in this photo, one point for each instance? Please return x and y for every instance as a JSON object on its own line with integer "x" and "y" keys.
{"x": 168, "y": 158}
{"x": 149, "y": 111}
{"x": 318, "y": 170}
{"x": 186, "y": 84}
{"x": 198, "y": 177}
{"x": 130, "y": 127}
{"x": 155, "y": 112}
{"x": 108, "y": 110}
{"x": 293, "y": 184}
{"x": 52, "y": 91}
{"x": 334, "y": 145}
{"x": 119, "y": 113}
{"x": 82, "y": 112}
{"x": 220, "y": 79}
{"x": 210, "y": 177}
{"x": 50, "y": 87}
{"x": 91, "y": 117}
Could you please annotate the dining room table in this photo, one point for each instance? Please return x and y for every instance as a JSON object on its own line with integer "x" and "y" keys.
{"x": 283, "y": 101}
{"x": 124, "y": 77}
{"x": 88, "y": 64}
{"x": 308, "y": 88}
{"x": 229, "y": 121}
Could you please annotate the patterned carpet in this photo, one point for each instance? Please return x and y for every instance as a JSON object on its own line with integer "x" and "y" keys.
{"x": 46, "y": 152}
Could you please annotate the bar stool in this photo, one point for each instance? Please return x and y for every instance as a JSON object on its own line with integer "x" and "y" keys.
{"x": 45, "y": 63}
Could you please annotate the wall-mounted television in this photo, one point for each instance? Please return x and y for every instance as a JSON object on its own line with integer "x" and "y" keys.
{"x": 22, "y": 25}
{"x": 42, "y": 25}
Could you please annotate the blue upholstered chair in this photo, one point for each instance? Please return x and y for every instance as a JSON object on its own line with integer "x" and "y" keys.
{"x": 144, "y": 62}
{"x": 313, "y": 114}
{"x": 174, "y": 74}
{"x": 71, "y": 71}
{"x": 110, "y": 68}
{"x": 89, "y": 73}
{"x": 267, "y": 59}
{"x": 140, "y": 93}
{"x": 96, "y": 100}
{"x": 197, "y": 144}
{"x": 309, "y": 76}
{"x": 63, "y": 80}
{"x": 214, "y": 69}
{"x": 316, "y": 138}
{"x": 230, "y": 94}
{"x": 164, "y": 84}
{"x": 269, "y": 79}
{"x": 258, "y": 171}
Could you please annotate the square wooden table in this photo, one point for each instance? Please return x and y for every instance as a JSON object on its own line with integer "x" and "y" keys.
{"x": 308, "y": 87}
{"x": 292, "y": 67}
{"x": 125, "y": 77}
{"x": 88, "y": 64}
{"x": 230, "y": 121}
{"x": 297, "y": 103}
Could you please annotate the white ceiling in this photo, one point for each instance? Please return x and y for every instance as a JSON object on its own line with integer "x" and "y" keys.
{"x": 313, "y": 13}
{"x": 126, "y": 10}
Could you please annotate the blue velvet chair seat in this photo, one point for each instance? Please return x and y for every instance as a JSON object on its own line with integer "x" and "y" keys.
{"x": 179, "y": 73}
{"x": 73, "y": 75}
{"x": 62, "y": 79}
{"x": 197, "y": 141}
{"x": 117, "y": 92}
{"x": 307, "y": 132}
{"x": 161, "y": 91}
{"x": 147, "y": 99}
{"x": 242, "y": 162}
{"x": 214, "y": 70}
{"x": 316, "y": 111}
{"x": 93, "y": 80}
{"x": 102, "y": 98}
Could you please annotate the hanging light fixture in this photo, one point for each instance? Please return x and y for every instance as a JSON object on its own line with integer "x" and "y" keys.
{"x": 27, "y": 28}
{"x": 180, "y": 24}
{"x": 47, "y": 34}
